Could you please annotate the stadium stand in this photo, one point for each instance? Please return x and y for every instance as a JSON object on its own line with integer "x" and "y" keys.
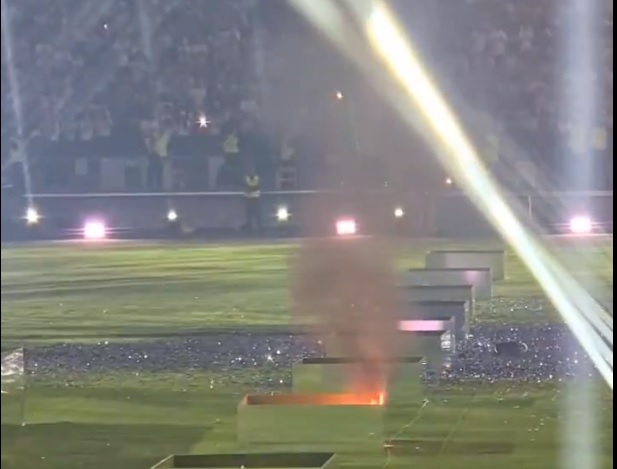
{"x": 147, "y": 81}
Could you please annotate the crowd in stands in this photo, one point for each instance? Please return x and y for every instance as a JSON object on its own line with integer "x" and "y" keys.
{"x": 113, "y": 76}
{"x": 83, "y": 68}
{"x": 523, "y": 64}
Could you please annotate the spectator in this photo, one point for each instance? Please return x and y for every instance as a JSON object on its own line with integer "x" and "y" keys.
{"x": 88, "y": 78}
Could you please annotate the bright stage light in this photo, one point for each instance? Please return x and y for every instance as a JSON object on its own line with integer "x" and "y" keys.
{"x": 203, "y": 122}
{"x": 581, "y": 225}
{"x": 95, "y": 230}
{"x": 282, "y": 214}
{"x": 346, "y": 227}
{"x": 32, "y": 216}
{"x": 399, "y": 212}
{"x": 172, "y": 216}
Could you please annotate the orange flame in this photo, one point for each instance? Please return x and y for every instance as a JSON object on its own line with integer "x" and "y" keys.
{"x": 347, "y": 289}
{"x": 318, "y": 399}
{"x": 355, "y": 399}
{"x": 380, "y": 400}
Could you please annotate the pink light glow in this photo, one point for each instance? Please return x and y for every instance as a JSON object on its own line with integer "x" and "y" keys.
{"x": 346, "y": 227}
{"x": 421, "y": 326}
{"x": 581, "y": 225}
{"x": 95, "y": 230}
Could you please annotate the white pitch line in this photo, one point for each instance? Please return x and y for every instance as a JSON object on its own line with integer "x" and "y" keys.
{"x": 406, "y": 427}
{"x": 455, "y": 428}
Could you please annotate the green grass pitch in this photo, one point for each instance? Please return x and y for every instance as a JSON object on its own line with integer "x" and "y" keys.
{"x": 84, "y": 293}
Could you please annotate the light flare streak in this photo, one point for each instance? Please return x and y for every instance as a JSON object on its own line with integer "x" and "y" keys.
{"x": 458, "y": 155}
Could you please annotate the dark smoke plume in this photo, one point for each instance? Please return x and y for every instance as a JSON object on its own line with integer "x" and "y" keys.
{"x": 345, "y": 289}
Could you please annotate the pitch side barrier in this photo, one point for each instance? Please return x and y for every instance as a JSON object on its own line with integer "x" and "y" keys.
{"x": 451, "y": 215}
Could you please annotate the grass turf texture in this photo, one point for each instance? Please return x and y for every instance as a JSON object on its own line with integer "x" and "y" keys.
{"x": 133, "y": 422}
{"x": 76, "y": 292}
{"x": 251, "y": 460}
{"x": 85, "y": 292}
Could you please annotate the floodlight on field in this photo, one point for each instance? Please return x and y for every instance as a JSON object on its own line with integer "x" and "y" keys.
{"x": 399, "y": 212}
{"x": 172, "y": 216}
{"x": 346, "y": 227}
{"x": 581, "y": 225}
{"x": 283, "y": 215}
{"x": 95, "y": 230}
{"x": 32, "y": 216}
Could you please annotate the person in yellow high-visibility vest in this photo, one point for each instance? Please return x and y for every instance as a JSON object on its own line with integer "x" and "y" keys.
{"x": 158, "y": 147}
{"x": 252, "y": 197}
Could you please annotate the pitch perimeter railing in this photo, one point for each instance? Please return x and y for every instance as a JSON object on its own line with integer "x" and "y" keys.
{"x": 450, "y": 214}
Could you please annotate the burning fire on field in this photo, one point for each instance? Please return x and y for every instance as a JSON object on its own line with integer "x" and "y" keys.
{"x": 346, "y": 290}
{"x": 350, "y": 399}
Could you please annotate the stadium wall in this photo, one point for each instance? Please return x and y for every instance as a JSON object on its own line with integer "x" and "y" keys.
{"x": 145, "y": 215}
